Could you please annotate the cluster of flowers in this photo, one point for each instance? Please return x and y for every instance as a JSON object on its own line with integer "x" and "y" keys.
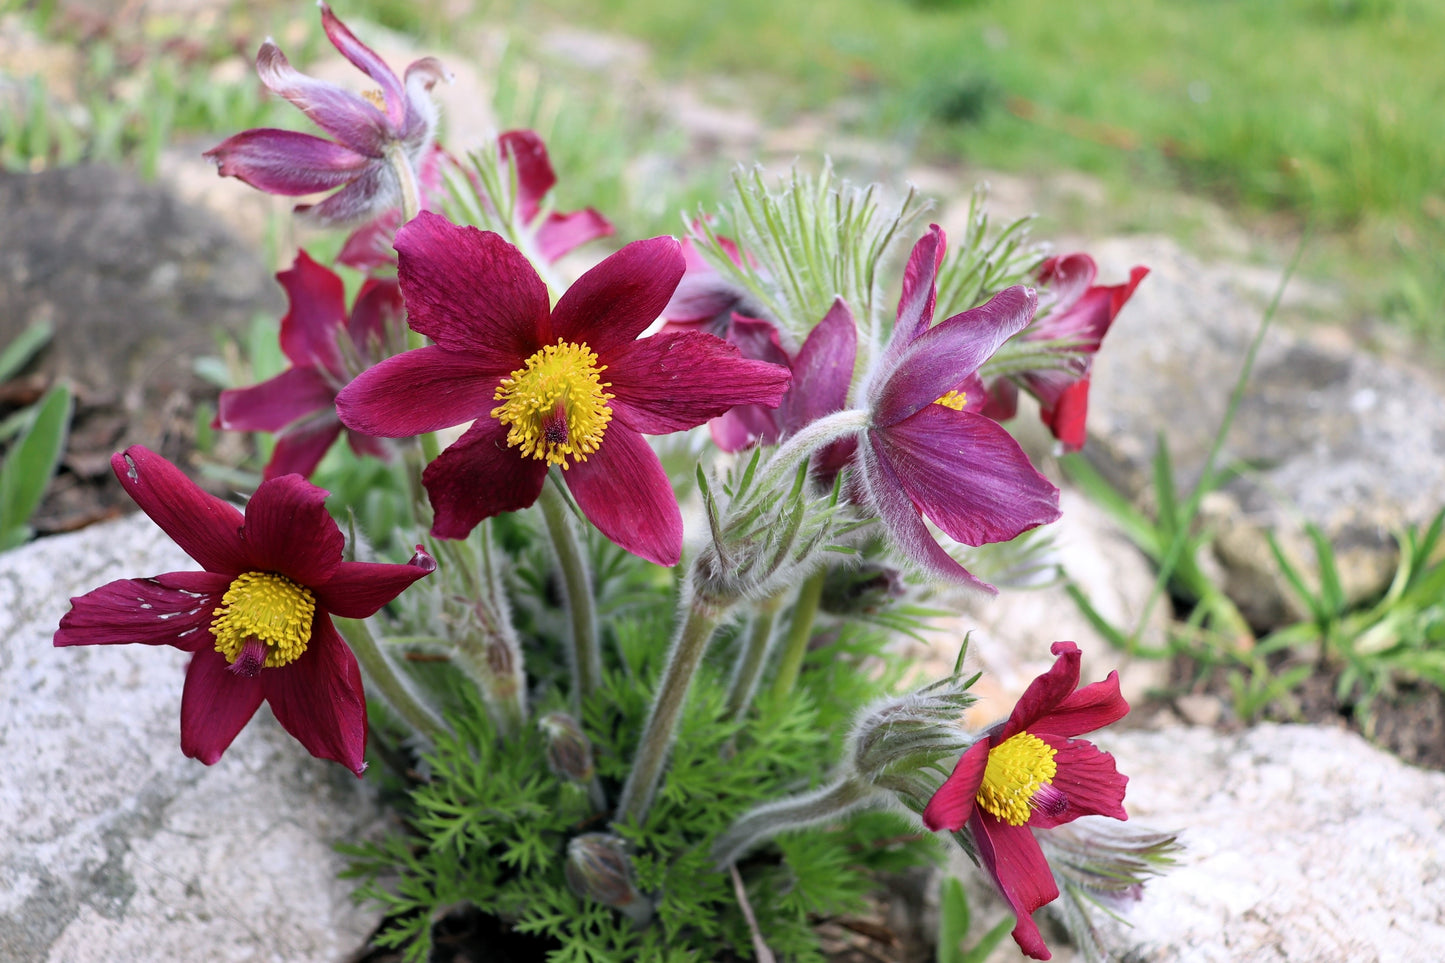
{"x": 575, "y": 386}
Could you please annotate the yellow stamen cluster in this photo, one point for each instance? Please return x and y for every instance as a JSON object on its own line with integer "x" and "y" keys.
{"x": 1016, "y": 768}
{"x": 375, "y": 99}
{"x": 269, "y": 608}
{"x": 954, "y": 399}
{"x": 555, "y": 407}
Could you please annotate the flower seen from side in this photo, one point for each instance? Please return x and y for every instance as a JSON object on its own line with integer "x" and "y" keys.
{"x": 368, "y": 133}
{"x": 929, "y": 451}
{"x": 571, "y": 386}
{"x": 1077, "y": 314}
{"x": 1029, "y": 772}
{"x": 327, "y": 347}
{"x": 257, "y": 620}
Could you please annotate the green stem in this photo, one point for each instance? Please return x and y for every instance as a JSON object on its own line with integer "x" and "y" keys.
{"x": 395, "y": 689}
{"x": 688, "y": 646}
{"x": 576, "y": 591}
{"x": 486, "y": 644}
{"x": 800, "y": 630}
{"x": 754, "y": 656}
{"x": 766, "y": 821}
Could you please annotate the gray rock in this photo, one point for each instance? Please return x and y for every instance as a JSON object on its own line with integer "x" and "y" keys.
{"x": 1303, "y": 844}
{"x": 1326, "y": 432}
{"x": 116, "y": 847}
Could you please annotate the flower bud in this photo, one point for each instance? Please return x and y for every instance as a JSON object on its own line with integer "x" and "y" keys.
{"x": 598, "y": 868}
{"x": 569, "y": 753}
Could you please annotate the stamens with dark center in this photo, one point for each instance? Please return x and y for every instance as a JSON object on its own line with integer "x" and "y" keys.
{"x": 555, "y": 406}
{"x": 1016, "y": 777}
{"x": 264, "y": 622}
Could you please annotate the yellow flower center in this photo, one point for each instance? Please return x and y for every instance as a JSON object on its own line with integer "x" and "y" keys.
{"x": 1017, "y": 768}
{"x": 264, "y": 620}
{"x": 555, "y": 407}
{"x": 954, "y": 399}
{"x": 375, "y": 99}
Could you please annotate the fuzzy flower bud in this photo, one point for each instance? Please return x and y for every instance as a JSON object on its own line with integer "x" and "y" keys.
{"x": 598, "y": 868}
{"x": 905, "y": 734}
{"x": 569, "y": 752}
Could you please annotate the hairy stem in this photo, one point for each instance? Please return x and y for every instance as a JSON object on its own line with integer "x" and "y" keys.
{"x": 766, "y": 821}
{"x": 395, "y": 689}
{"x": 754, "y": 656}
{"x": 576, "y": 593}
{"x": 800, "y": 630}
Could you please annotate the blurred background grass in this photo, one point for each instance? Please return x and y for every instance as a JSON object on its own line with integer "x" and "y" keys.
{"x": 1288, "y": 112}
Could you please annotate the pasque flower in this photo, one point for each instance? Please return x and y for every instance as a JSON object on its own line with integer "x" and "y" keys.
{"x": 1029, "y": 773}
{"x": 257, "y": 619}
{"x": 570, "y": 386}
{"x": 704, "y": 299}
{"x": 928, "y": 449}
{"x": 369, "y": 134}
{"x": 1077, "y": 313}
{"x": 327, "y": 347}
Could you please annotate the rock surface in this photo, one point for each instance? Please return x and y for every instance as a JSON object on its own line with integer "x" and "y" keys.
{"x": 117, "y": 848}
{"x": 1303, "y": 844}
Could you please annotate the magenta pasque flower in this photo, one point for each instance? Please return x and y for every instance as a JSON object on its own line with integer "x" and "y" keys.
{"x": 1075, "y": 311}
{"x": 704, "y": 300}
{"x": 553, "y": 235}
{"x": 365, "y": 132}
{"x": 929, "y": 451}
{"x": 571, "y": 386}
{"x": 1030, "y": 773}
{"x": 299, "y": 404}
{"x": 258, "y": 619}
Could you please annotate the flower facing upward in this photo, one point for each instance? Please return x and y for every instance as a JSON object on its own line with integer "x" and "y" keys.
{"x": 366, "y": 131}
{"x": 258, "y": 619}
{"x": 1079, "y": 314}
{"x": 929, "y": 450}
{"x": 1030, "y": 773}
{"x": 570, "y": 386}
{"x": 300, "y": 403}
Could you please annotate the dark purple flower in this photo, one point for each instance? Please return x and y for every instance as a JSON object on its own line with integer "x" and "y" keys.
{"x": 822, "y": 371}
{"x": 704, "y": 301}
{"x": 327, "y": 348}
{"x": 366, "y": 132}
{"x": 1080, "y": 313}
{"x": 928, "y": 450}
{"x": 570, "y": 386}
{"x": 1030, "y": 773}
{"x": 258, "y": 619}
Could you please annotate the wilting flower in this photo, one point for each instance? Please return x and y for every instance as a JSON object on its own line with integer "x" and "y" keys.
{"x": 1030, "y": 773}
{"x": 928, "y": 449}
{"x": 258, "y": 619}
{"x": 367, "y": 132}
{"x": 327, "y": 348}
{"x": 570, "y": 386}
{"x": 553, "y": 235}
{"x": 822, "y": 371}
{"x": 1077, "y": 314}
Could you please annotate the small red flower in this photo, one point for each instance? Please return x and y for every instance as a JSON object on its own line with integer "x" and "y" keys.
{"x": 571, "y": 386}
{"x": 258, "y": 619}
{"x": 1030, "y": 773}
{"x": 299, "y": 404}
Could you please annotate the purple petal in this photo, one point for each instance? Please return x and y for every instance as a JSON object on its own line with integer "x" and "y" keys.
{"x": 369, "y": 246}
{"x": 904, "y": 525}
{"x": 359, "y": 589}
{"x": 920, "y": 292}
{"x": 535, "y": 176}
{"x": 942, "y": 357}
{"x": 967, "y": 474}
{"x": 277, "y": 402}
{"x": 366, "y": 60}
{"x": 952, "y": 805}
{"x": 348, "y": 117}
{"x": 622, "y": 489}
{"x": 319, "y": 698}
{"x": 823, "y": 370}
{"x": 560, "y": 233}
{"x": 472, "y": 292}
{"x": 377, "y": 306}
{"x": 301, "y": 446}
{"x": 425, "y": 389}
{"x": 373, "y": 190}
{"x": 146, "y": 611}
{"x": 477, "y": 477}
{"x": 288, "y": 530}
{"x": 317, "y": 312}
{"x": 1047, "y": 692}
{"x": 1013, "y": 858}
{"x": 206, "y": 528}
{"x": 675, "y": 381}
{"x": 1092, "y": 707}
{"x": 216, "y": 704}
{"x": 1089, "y": 780}
{"x": 287, "y": 162}
{"x": 613, "y": 303}
{"x": 1062, "y": 281}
